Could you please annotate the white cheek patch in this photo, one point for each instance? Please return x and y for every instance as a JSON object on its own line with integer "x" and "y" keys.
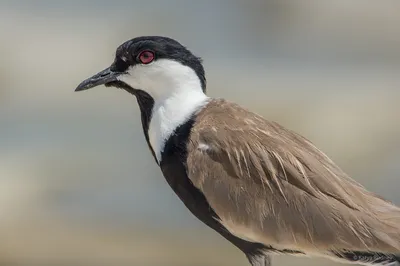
{"x": 161, "y": 78}
{"x": 177, "y": 93}
{"x": 132, "y": 77}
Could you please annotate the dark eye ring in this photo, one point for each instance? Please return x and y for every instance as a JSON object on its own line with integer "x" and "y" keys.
{"x": 146, "y": 57}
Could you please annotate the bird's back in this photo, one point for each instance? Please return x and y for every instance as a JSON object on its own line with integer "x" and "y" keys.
{"x": 270, "y": 185}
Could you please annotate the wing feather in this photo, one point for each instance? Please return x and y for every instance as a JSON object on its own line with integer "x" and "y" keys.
{"x": 270, "y": 185}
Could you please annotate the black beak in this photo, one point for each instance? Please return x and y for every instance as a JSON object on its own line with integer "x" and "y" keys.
{"x": 101, "y": 78}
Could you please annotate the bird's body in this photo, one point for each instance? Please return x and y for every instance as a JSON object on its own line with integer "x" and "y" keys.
{"x": 261, "y": 186}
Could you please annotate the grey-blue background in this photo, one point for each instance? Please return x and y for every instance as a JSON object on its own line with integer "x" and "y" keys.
{"x": 77, "y": 183}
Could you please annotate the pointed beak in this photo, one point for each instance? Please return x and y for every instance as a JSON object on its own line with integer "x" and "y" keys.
{"x": 101, "y": 78}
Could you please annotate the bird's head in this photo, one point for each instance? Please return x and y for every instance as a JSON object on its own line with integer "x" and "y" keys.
{"x": 158, "y": 66}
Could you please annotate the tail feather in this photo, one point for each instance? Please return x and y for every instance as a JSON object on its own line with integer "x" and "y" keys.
{"x": 369, "y": 258}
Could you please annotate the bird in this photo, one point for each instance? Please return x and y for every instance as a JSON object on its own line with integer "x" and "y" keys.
{"x": 263, "y": 187}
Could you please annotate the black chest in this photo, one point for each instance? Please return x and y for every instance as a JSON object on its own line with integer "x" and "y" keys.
{"x": 174, "y": 168}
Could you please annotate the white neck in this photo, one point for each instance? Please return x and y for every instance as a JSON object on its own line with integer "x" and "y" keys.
{"x": 177, "y": 93}
{"x": 171, "y": 112}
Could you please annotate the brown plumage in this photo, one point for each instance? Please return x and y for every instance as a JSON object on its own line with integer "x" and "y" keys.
{"x": 272, "y": 186}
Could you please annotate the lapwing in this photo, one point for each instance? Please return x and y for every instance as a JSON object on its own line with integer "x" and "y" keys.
{"x": 264, "y": 188}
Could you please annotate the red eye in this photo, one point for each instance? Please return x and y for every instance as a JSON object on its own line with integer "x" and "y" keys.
{"x": 146, "y": 57}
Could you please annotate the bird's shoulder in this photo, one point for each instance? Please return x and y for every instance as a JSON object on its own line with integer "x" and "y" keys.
{"x": 224, "y": 123}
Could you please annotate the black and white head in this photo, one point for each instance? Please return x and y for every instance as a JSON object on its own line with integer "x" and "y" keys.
{"x": 166, "y": 78}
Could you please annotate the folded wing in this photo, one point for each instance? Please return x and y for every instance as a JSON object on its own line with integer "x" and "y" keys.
{"x": 272, "y": 186}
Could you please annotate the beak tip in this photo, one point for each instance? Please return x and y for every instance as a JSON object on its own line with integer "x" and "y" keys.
{"x": 101, "y": 78}
{"x": 84, "y": 85}
{"x": 79, "y": 88}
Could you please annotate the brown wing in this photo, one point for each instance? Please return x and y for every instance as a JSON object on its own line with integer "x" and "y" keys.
{"x": 270, "y": 185}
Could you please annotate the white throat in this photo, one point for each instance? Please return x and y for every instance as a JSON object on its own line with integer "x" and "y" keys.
{"x": 170, "y": 113}
{"x": 177, "y": 93}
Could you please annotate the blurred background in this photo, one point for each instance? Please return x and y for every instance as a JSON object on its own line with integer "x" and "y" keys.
{"x": 78, "y": 186}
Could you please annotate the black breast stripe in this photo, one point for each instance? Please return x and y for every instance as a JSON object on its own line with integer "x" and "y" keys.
{"x": 146, "y": 104}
